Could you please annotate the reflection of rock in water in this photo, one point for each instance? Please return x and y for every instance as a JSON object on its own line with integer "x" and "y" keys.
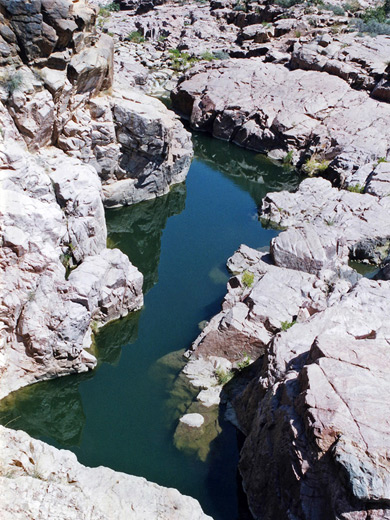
{"x": 181, "y": 400}
{"x": 115, "y": 335}
{"x": 48, "y": 409}
{"x": 54, "y": 408}
{"x": 137, "y": 230}
{"x": 250, "y": 171}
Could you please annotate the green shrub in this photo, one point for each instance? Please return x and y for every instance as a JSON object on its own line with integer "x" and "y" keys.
{"x": 11, "y": 81}
{"x": 135, "y": 37}
{"x": 336, "y": 9}
{"x": 373, "y": 28}
{"x": 314, "y": 166}
{"x": 223, "y": 376}
{"x": 247, "y": 278}
{"x": 221, "y": 55}
{"x": 285, "y": 325}
{"x": 287, "y": 159}
{"x": 106, "y": 10}
{"x": 207, "y": 55}
{"x": 374, "y": 21}
{"x": 181, "y": 60}
{"x": 352, "y": 6}
{"x": 288, "y": 3}
{"x": 381, "y": 160}
{"x": 239, "y": 7}
{"x": 356, "y": 188}
{"x": 245, "y": 362}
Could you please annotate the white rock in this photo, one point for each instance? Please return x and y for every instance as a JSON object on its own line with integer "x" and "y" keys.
{"x": 194, "y": 420}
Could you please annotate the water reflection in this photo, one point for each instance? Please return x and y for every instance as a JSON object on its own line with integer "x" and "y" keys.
{"x": 252, "y": 172}
{"x": 137, "y": 230}
{"x": 49, "y": 409}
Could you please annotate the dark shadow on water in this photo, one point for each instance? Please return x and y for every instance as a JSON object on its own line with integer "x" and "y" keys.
{"x": 114, "y": 336}
{"x": 137, "y": 230}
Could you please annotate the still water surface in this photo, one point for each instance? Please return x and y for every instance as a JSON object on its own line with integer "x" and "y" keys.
{"x": 123, "y": 414}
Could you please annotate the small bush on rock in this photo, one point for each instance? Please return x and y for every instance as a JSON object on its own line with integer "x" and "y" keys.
{"x": 285, "y": 325}
{"x": 106, "y": 10}
{"x": 208, "y": 56}
{"x": 314, "y": 165}
{"x": 135, "y": 37}
{"x": 245, "y": 362}
{"x": 11, "y": 81}
{"x": 248, "y": 278}
{"x": 356, "y": 188}
{"x": 223, "y": 376}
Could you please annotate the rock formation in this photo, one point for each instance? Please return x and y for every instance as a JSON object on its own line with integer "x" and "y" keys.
{"x": 54, "y": 256}
{"x": 54, "y": 485}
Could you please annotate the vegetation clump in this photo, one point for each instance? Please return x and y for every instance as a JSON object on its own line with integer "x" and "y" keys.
{"x": 314, "y": 166}
{"x": 11, "y": 81}
{"x": 287, "y": 159}
{"x": 223, "y": 376}
{"x": 356, "y": 188}
{"x": 285, "y": 325}
{"x": 135, "y": 37}
{"x": 247, "y": 278}
{"x": 106, "y": 10}
{"x": 375, "y": 20}
{"x": 181, "y": 60}
{"x": 245, "y": 362}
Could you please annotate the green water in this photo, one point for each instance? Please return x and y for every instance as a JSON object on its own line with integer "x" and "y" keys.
{"x": 124, "y": 414}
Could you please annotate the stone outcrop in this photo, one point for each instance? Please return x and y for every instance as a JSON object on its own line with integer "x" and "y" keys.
{"x": 313, "y": 415}
{"x": 54, "y": 485}
{"x": 336, "y": 217}
{"x": 155, "y": 150}
{"x": 52, "y": 219}
{"x": 244, "y": 101}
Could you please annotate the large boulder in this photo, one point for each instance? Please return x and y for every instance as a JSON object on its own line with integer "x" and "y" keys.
{"x": 361, "y": 221}
{"x": 156, "y": 150}
{"x": 320, "y": 434}
{"x": 92, "y": 69}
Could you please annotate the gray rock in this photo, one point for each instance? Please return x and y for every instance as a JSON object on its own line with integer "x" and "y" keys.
{"x": 55, "y": 485}
{"x": 156, "y": 150}
{"x": 244, "y": 101}
{"x": 92, "y": 69}
{"x": 35, "y": 231}
{"x": 322, "y": 414}
{"x": 358, "y": 218}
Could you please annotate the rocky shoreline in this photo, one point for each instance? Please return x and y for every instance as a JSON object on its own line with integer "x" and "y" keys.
{"x": 302, "y": 336}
